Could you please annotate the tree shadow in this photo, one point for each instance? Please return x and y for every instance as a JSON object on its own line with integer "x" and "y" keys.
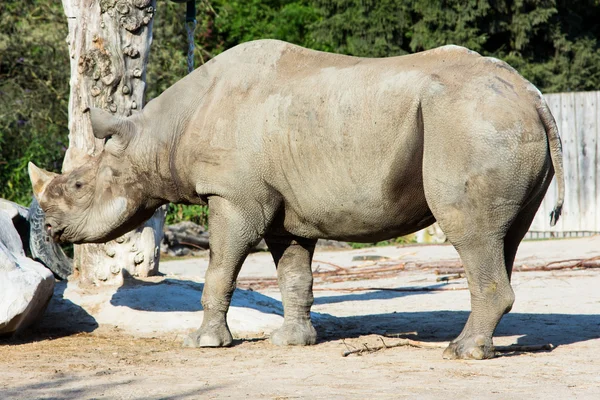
{"x": 61, "y": 318}
{"x": 67, "y": 387}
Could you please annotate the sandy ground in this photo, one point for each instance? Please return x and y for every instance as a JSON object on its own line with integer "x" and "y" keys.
{"x": 125, "y": 343}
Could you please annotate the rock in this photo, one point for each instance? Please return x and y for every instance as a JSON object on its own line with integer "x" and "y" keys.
{"x": 20, "y": 219}
{"x": 26, "y": 286}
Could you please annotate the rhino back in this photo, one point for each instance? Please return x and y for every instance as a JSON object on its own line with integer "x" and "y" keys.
{"x": 339, "y": 138}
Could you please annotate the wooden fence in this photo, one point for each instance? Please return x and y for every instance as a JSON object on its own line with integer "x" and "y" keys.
{"x": 577, "y": 116}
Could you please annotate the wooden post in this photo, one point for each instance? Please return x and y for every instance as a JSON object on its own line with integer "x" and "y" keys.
{"x": 109, "y": 42}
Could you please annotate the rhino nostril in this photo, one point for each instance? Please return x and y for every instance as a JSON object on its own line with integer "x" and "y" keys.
{"x": 49, "y": 229}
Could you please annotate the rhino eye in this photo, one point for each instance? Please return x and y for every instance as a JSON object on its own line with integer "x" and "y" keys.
{"x": 78, "y": 185}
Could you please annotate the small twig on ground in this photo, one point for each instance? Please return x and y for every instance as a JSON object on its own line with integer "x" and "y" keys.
{"x": 402, "y": 342}
{"x": 450, "y": 277}
{"x": 337, "y": 267}
{"x": 401, "y": 289}
{"x": 524, "y": 348}
{"x": 442, "y": 345}
{"x": 382, "y": 342}
{"x": 400, "y": 335}
{"x": 347, "y": 346}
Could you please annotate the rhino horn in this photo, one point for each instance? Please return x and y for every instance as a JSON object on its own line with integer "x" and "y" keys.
{"x": 105, "y": 124}
{"x": 40, "y": 179}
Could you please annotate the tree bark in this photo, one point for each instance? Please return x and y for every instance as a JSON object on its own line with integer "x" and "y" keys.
{"x": 109, "y": 42}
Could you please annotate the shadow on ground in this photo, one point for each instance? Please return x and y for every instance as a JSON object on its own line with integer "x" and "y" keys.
{"x": 65, "y": 318}
{"x": 178, "y": 295}
{"x": 69, "y": 387}
{"x": 558, "y": 329}
{"x": 182, "y": 295}
{"x": 62, "y": 318}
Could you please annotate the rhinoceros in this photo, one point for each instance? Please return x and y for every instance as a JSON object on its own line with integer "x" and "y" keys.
{"x": 292, "y": 145}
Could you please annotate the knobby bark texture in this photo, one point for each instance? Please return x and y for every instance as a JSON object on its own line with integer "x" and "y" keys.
{"x": 109, "y": 42}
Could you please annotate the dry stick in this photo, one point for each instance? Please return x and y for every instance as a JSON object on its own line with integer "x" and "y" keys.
{"x": 400, "y": 289}
{"x": 524, "y": 348}
{"x": 337, "y": 267}
{"x": 574, "y": 263}
{"x": 450, "y": 278}
{"x": 370, "y": 273}
{"x": 329, "y": 276}
{"x": 402, "y": 342}
{"x": 441, "y": 345}
{"x": 362, "y": 271}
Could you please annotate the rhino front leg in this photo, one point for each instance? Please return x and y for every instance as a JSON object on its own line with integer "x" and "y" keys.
{"x": 293, "y": 257}
{"x": 231, "y": 236}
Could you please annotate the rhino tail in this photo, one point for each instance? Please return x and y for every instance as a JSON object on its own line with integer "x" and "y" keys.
{"x": 556, "y": 155}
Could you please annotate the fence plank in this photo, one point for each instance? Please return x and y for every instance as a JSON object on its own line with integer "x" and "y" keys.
{"x": 568, "y": 125}
{"x": 555, "y": 106}
{"x": 585, "y": 117}
{"x": 577, "y": 118}
{"x": 596, "y": 174}
{"x": 541, "y": 222}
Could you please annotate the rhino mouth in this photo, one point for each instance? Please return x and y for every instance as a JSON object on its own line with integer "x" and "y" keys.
{"x": 55, "y": 233}
{"x": 58, "y": 236}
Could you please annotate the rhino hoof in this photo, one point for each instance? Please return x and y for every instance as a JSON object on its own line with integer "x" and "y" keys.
{"x": 478, "y": 348}
{"x": 294, "y": 334}
{"x": 212, "y": 339}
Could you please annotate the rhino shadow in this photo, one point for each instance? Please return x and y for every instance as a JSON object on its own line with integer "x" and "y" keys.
{"x": 377, "y": 294}
{"x": 61, "y": 318}
{"x": 434, "y": 326}
{"x": 184, "y": 295}
{"x": 173, "y": 295}
{"x": 180, "y": 295}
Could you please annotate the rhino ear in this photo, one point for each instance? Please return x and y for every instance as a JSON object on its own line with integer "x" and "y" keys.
{"x": 105, "y": 124}
{"x": 39, "y": 179}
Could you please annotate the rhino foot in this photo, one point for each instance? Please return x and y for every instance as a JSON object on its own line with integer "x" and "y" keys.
{"x": 295, "y": 334}
{"x": 470, "y": 348}
{"x": 219, "y": 337}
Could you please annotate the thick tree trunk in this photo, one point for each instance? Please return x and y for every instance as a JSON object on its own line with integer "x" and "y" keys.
{"x": 109, "y": 43}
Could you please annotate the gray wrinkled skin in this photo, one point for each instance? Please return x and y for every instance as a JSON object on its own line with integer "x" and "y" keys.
{"x": 293, "y": 145}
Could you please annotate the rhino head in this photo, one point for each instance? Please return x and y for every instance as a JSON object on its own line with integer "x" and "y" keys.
{"x": 103, "y": 198}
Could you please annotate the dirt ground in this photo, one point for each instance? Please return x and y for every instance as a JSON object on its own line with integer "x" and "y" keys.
{"x": 125, "y": 343}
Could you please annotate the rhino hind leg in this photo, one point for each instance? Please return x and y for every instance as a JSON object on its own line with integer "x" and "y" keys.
{"x": 491, "y": 297}
{"x": 476, "y": 222}
{"x": 293, "y": 257}
{"x": 521, "y": 225}
{"x": 473, "y": 342}
{"x": 231, "y": 235}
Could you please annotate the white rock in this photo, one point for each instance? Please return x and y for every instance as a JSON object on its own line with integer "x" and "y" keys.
{"x": 26, "y": 286}
{"x": 13, "y": 209}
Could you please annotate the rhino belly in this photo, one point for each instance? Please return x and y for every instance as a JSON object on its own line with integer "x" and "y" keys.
{"x": 360, "y": 213}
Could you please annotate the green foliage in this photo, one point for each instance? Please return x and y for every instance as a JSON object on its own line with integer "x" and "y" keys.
{"x": 221, "y": 25}
{"x": 408, "y": 239}
{"x": 179, "y": 212}
{"x": 34, "y": 79}
{"x": 551, "y": 42}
